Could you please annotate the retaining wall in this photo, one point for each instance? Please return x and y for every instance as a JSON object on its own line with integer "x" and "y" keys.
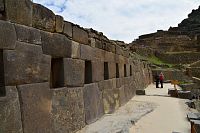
{"x": 56, "y": 76}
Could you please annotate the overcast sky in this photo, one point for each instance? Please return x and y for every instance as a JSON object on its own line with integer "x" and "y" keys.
{"x": 123, "y": 19}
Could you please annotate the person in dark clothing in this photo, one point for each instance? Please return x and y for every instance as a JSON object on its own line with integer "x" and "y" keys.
{"x": 161, "y": 78}
{"x": 157, "y": 80}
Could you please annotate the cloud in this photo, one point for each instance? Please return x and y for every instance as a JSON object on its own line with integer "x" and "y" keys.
{"x": 123, "y": 19}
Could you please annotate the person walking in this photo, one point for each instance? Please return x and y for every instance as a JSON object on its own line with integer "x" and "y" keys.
{"x": 161, "y": 78}
{"x": 157, "y": 79}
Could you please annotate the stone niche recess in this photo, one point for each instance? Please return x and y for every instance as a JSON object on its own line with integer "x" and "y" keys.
{"x": 56, "y": 76}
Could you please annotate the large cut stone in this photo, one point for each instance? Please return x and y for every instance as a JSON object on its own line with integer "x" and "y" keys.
{"x": 97, "y": 71}
{"x": 28, "y": 34}
{"x": 68, "y": 110}
{"x": 19, "y": 11}
{"x": 43, "y": 18}
{"x": 93, "y": 103}
{"x": 10, "y": 114}
{"x": 122, "y": 97}
{"x": 109, "y": 101}
{"x": 106, "y": 85}
{"x": 56, "y": 45}
{"x": 8, "y": 35}
{"x": 59, "y": 24}
{"x": 2, "y": 5}
{"x": 26, "y": 64}
{"x": 109, "y": 57}
{"x": 87, "y": 52}
{"x": 80, "y": 35}
{"x": 112, "y": 70}
{"x": 98, "y": 54}
{"x": 67, "y": 29}
{"x": 36, "y": 107}
{"x": 75, "y": 50}
{"x": 74, "y": 72}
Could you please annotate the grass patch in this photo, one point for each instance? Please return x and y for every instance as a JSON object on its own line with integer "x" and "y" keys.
{"x": 155, "y": 60}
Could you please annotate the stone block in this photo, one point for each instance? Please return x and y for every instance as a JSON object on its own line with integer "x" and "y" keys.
{"x": 87, "y": 52}
{"x": 98, "y": 71}
{"x": 109, "y": 57}
{"x": 121, "y": 70}
{"x": 68, "y": 113}
{"x": 19, "y": 11}
{"x": 119, "y": 82}
{"x": 80, "y": 35}
{"x": 140, "y": 92}
{"x": 26, "y": 64}
{"x": 110, "y": 47}
{"x": 105, "y": 85}
{"x": 122, "y": 97}
{"x": 2, "y": 7}
{"x": 56, "y": 45}
{"x": 112, "y": 70}
{"x": 119, "y": 50}
{"x": 36, "y": 107}
{"x": 98, "y": 44}
{"x": 109, "y": 101}
{"x": 93, "y": 103}
{"x": 43, "y": 18}
{"x": 74, "y": 72}
{"x": 98, "y": 54}
{"x": 10, "y": 118}
{"x": 75, "y": 50}
{"x": 59, "y": 23}
{"x": 28, "y": 34}
{"x": 8, "y": 35}
{"x": 67, "y": 29}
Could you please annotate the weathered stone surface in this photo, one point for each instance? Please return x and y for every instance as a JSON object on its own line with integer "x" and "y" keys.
{"x": 67, "y": 29}
{"x": 119, "y": 50}
{"x": 28, "y": 34}
{"x": 8, "y": 35}
{"x": 93, "y": 103}
{"x": 98, "y": 44}
{"x": 26, "y": 64}
{"x": 59, "y": 23}
{"x": 74, "y": 72}
{"x": 112, "y": 70}
{"x": 2, "y": 5}
{"x": 56, "y": 45}
{"x": 10, "y": 118}
{"x": 122, "y": 97}
{"x": 19, "y": 11}
{"x": 105, "y": 85}
{"x": 97, "y": 71}
{"x": 43, "y": 18}
{"x": 87, "y": 52}
{"x": 68, "y": 110}
{"x": 75, "y": 50}
{"x": 109, "y": 101}
{"x": 109, "y": 57}
{"x": 121, "y": 70}
{"x": 36, "y": 107}
{"x": 119, "y": 82}
{"x": 80, "y": 35}
{"x": 98, "y": 54}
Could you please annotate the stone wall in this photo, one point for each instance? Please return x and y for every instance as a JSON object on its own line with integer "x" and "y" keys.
{"x": 57, "y": 76}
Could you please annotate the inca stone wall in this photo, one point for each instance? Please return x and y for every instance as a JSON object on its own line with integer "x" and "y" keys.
{"x": 56, "y": 77}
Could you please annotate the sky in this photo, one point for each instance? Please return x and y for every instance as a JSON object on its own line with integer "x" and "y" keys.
{"x": 123, "y": 20}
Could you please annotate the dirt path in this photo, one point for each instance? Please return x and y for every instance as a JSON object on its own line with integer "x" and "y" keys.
{"x": 169, "y": 116}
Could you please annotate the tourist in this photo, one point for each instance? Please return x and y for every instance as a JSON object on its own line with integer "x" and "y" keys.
{"x": 161, "y": 78}
{"x": 157, "y": 80}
